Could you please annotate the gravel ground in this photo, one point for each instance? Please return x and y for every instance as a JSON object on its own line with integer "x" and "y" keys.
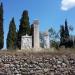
{"x": 42, "y": 63}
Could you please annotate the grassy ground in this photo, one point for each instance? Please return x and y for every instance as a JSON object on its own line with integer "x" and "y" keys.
{"x": 45, "y": 52}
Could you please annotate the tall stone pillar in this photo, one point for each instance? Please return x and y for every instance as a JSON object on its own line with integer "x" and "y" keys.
{"x": 36, "y": 40}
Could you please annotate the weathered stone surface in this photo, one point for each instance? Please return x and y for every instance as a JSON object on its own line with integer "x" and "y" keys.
{"x": 42, "y": 64}
{"x": 36, "y": 38}
{"x": 26, "y": 42}
{"x": 46, "y": 40}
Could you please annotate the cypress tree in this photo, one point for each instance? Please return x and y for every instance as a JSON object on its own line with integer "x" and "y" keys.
{"x": 68, "y": 42}
{"x": 24, "y": 27}
{"x": 64, "y": 36}
{"x": 62, "y": 31}
{"x": 66, "y": 30}
{"x": 11, "y": 37}
{"x": 1, "y": 27}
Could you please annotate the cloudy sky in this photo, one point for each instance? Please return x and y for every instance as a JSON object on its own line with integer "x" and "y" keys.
{"x": 51, "y": 13}
{"x": 67, "y": 4}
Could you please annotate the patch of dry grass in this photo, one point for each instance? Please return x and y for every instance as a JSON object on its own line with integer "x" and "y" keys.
{"x": 41, "y": 53}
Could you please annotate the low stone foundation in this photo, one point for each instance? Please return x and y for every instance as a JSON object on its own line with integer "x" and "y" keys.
{"x": 37, "y": 50}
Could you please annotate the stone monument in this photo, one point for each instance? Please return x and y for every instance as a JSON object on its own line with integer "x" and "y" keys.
{"x": 26, "y": 42}
{"x": 46, "y": 40}
{"x": 33, "y": 41}
{"x": 36, "y": 40}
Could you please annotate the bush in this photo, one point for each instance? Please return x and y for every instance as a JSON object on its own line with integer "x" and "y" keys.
{"x": 54, "y": 44}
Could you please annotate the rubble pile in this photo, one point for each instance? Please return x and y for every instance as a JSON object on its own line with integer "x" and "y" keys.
{"x": 37, "y": 64}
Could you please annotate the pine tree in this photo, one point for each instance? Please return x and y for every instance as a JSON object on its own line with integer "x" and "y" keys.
{"x": 11, "y": 37}
{"x": 1, "y": 27}
{"x": 24, "y": 27}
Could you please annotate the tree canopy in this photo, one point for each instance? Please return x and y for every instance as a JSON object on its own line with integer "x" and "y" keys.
{"x": 24, "y": 27}
{"x": 1, "y": 27}
{"x": 11, "y": 37}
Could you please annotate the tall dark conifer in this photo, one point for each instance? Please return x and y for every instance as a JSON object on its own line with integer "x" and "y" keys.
{"x": 1, "y": 27}
{"x": 12, "y": 35}
{"x": 24, "y": 27}
{"x": 66, "y": 30}
{"x": 64, "y": 36}
{"x": 62, "y": 32}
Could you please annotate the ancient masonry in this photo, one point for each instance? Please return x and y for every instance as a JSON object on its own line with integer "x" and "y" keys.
{"x": 36, "y": 40}
{"x": 26, "y": 42}
{"x": 29, "y": 42}
{"x": 46, "y": 40}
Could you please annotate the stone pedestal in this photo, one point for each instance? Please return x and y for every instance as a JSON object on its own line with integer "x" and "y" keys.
{"x": 46, "y": 40}
{"x": 26, "y": 42}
